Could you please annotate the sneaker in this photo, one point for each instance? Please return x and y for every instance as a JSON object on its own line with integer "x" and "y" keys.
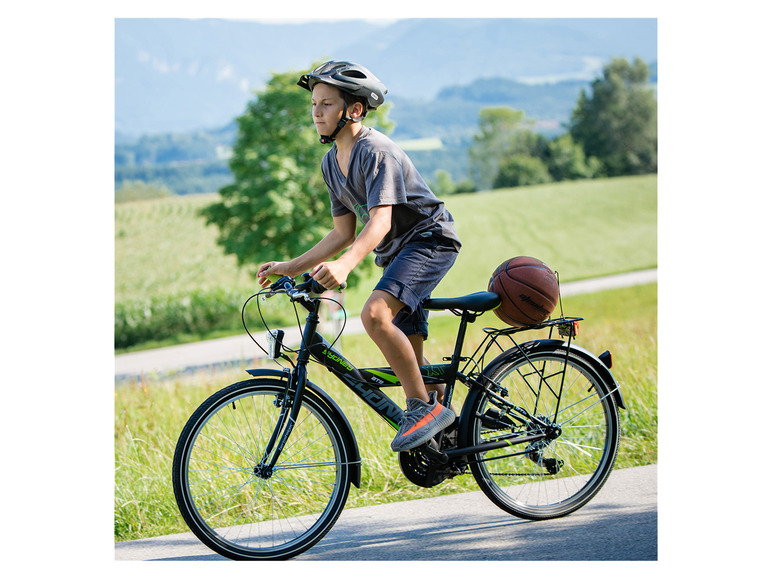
{"x": 420, "y": 422}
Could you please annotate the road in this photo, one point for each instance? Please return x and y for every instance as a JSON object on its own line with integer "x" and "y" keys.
{"x": 240, "y": 350}
{"x": 619, "y": 524}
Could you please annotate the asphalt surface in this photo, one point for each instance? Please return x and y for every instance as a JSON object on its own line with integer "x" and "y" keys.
{"x": 241, "y": 350}
{"x": 619, "y": 524}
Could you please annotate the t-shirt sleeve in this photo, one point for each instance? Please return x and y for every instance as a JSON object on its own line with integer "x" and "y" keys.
{"x": 336, "y": 206}
{"x": 384, "y": 180}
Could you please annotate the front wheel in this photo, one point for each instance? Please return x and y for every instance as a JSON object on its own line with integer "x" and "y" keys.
{"x": 568, "y": 403}
{"x": 227, "y": 496}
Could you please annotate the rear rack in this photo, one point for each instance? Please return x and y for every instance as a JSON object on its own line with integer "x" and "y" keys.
{"x": 502, "y": 339}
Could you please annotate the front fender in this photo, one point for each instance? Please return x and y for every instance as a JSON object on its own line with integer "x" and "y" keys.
{"x": 352, "y": 447}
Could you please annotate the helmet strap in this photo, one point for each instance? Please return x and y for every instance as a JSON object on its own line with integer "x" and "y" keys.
{"x": 327, "y": 139}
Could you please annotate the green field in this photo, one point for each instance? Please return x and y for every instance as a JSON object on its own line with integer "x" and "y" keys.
{"x": 581, "y": 229}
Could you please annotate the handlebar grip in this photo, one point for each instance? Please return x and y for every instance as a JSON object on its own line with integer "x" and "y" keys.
{"x": 310, "y": 284}
{"x": 318, "y": 288}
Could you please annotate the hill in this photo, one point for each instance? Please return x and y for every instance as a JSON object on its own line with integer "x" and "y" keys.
{"x": 196, "y": 162}
{"x": 180, "y": 83}
{"x": 180, "y": 75}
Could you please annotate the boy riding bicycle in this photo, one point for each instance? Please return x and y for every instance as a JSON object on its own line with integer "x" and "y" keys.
{"x": 412, "y": 234}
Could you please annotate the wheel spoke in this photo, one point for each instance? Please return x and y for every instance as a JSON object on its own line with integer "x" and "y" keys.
{"x": 566, "y": 401}
{"x": 232, "y": 502}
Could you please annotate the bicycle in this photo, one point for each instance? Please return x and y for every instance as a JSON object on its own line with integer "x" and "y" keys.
{"x": 263, "y": 467}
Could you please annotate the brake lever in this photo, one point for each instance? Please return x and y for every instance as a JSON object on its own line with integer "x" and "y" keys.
{"x": 278, "y": 285}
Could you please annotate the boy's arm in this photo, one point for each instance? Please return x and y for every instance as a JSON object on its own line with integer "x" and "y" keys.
{"x": 341, "y": 236}
{"x": 332, "y": 274}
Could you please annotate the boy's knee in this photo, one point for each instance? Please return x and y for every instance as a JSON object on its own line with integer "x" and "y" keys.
{"x": 375, "y": 315}
{"x": 379, "y": 311}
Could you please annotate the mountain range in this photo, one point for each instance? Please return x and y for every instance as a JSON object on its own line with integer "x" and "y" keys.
{"x": 180, "y": 75}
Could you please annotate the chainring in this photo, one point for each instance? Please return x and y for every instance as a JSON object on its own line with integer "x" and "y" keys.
{"x": 423, "y": 470}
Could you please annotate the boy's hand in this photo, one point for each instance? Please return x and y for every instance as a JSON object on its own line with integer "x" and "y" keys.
{"x": 270, "y": 272}
{"x": 331, "y": 274}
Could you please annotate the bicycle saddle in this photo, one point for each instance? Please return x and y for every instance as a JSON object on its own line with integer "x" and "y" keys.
{"x": 476, "y": 302}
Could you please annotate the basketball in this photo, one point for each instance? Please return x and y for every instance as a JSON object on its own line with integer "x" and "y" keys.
{"x": 528, "y": 289}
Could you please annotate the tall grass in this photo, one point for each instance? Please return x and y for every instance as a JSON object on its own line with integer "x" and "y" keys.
{"x": 149, "y": 414}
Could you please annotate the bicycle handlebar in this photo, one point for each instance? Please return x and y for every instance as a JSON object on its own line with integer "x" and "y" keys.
{"x": 287, "y": 283}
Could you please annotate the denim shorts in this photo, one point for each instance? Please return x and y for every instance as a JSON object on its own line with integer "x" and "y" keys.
{"x": 412, "y": 275}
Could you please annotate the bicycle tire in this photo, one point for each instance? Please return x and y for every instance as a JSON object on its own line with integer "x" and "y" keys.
{"x": 234, "y": 510}
{"x": 552, "y": 478}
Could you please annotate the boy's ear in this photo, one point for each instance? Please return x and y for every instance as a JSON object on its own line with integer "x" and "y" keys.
{"x": 357, "y": 110}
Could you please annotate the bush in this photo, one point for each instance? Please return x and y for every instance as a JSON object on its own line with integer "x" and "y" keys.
{"x": 567, "y": 161}
{"x": 521, "y": 170}
{"x": 160, "y": 317}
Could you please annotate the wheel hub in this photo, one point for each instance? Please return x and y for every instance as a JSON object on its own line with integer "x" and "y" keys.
{"x": 262, "y": 471}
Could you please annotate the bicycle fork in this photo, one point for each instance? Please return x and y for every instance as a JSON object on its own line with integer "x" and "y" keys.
{"x": 290, "y": 402}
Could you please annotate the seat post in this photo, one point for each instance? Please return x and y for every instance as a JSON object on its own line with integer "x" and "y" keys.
{"x": 455, "y": 361}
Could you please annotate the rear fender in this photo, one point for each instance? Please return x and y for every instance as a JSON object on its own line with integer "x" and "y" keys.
{"x": 350, "y": 441}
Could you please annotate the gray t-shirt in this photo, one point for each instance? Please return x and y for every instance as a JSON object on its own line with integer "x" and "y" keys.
{"x": 380, "y": 173}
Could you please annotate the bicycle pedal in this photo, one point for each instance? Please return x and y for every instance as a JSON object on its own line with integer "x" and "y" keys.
{"x": 432, "y": 451}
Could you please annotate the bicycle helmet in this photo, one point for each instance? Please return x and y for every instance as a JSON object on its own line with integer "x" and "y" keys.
{"x": 349, "y": 77}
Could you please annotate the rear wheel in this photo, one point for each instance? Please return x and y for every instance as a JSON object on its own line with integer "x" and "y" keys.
{"x": 568, "y": 403}
{"x": 228, "y": 496}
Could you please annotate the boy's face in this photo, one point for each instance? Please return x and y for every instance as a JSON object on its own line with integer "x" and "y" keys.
{"x": 326, "y": 108}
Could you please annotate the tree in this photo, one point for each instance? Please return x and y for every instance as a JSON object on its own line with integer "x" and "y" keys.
{"x": 278, "y": 206}
{"x": 443, "y": 185}
{"x": 618, "y": 123}
{"x": 521, "y": 170}
{"x": 503, "y": 133}
{"x": 566, "y": 160}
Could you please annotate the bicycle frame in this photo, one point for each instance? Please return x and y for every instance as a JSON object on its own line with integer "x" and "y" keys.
{"x": 263, "y": 467}
{"x": 367, "y": 384}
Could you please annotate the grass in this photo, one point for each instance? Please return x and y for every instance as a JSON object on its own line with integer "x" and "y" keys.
{"x": 164, "y": 246}
{"x": 150, "y": 414}
{"x": 582, "y": 229}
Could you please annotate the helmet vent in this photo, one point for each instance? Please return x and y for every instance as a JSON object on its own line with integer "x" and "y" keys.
{"x": 353, "y": 74}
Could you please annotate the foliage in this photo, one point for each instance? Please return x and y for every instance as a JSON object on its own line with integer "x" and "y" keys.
{"x": 181, "y": 178}
{"x": 567, "y": 161}
{"x": 443, "y": 184}
{"x": 503, "y": 132}
{"x": 618, "y": 123}
{"x": 196, "y": 312}
{"x": 196, "y": 162}
{"x": 174, "y": 147}
{"x": 278, "y": 206}
{"x": 521, "y": 170}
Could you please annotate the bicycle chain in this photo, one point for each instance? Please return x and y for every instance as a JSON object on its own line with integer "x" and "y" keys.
{"x": 467, "y": 471}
